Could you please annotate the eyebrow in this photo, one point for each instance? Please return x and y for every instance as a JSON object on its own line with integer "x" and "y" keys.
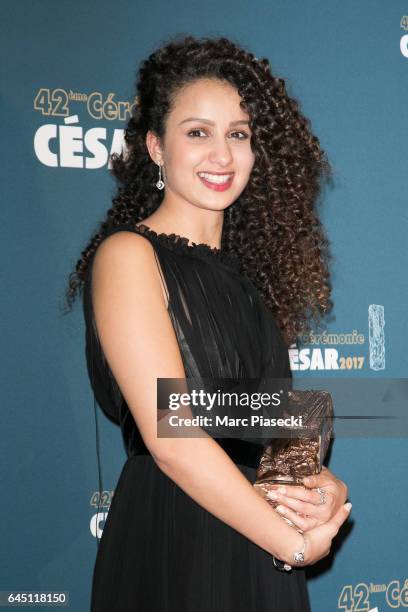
{"x": 240, "y": 122}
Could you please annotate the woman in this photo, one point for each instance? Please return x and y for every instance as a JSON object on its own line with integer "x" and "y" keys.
{"x": 210, "y": 263}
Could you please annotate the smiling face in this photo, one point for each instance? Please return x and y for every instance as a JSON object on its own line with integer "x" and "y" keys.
{"x": 206, "y": 150}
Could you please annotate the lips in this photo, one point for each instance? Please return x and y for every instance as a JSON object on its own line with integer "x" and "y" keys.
{"x": 217, "y": 181}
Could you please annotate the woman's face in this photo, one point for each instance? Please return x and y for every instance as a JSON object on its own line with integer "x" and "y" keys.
{"x": 206, "y": 149}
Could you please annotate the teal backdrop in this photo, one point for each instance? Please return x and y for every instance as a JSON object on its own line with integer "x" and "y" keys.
{"x": 68, "y": 72}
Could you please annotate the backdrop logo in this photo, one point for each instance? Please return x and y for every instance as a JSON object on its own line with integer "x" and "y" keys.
{"x": 404, "y": 38}
{"x": 359, "y": 597}
{"x": 344, "y": 350}
{"x": 63, "y": 143}
{"x": 102, "y": 504}
{"x": 376, "y": 324}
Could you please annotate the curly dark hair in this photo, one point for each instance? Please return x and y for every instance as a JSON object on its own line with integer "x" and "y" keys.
{"x": 273, "y": 226}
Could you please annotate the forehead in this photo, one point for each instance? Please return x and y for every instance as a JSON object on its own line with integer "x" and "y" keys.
{"x": 207, "y": 98}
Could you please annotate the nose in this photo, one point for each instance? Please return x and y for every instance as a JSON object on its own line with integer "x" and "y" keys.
{"x": 220, "y": 152}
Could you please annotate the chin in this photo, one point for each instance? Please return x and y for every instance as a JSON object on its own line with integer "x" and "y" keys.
{"x": 221, "y": 199}
{"x": 214, "y": 205}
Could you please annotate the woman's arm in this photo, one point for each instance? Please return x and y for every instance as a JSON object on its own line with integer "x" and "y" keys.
{"x": 140, "y": 345}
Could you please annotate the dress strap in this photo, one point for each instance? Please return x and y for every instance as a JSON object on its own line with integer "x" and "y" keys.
{"x": 161, "y": 275}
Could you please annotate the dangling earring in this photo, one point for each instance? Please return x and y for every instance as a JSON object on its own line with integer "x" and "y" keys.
{"x": 160, "y": 183}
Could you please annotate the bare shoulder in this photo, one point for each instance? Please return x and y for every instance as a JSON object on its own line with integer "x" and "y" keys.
{"x": 126, "y": 259}
{"x": 123, "y": 248}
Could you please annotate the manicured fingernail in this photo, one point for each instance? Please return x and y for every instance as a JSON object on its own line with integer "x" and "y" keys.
{"x": 272, "y": 495}
{"x": 282, "y": 490}
{"x": 348, "y": 506}
{"x": 280, "y": 509}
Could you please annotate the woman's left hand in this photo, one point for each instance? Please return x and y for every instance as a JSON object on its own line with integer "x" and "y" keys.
{"x": 303, "y": 506}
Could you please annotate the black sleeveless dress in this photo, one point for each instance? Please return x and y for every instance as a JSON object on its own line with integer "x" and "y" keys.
{"x": 160, "y": 550}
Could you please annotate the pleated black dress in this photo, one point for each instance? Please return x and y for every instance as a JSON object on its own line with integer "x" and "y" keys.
{"x": 160, "y": 550}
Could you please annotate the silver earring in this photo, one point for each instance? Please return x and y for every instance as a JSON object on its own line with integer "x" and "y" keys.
{"x": 160, "y": 183}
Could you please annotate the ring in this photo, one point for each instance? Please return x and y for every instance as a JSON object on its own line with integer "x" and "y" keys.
{"x": 322, "y": 494}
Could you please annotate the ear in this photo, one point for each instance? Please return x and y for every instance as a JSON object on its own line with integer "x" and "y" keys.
{"x": 154, "y": 147}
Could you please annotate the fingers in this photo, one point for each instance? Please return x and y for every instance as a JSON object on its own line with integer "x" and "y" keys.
{"x": 314, "y": 509}
{"x": 344, "y": 488}
{"x": 284, "y": 492}
{"x": 325, "y": 478}
{"x": 338, "y": 519}
{"x": 312, "y": 482}
{"x": 305, "y": 523}
{"x": 321, "y": 536}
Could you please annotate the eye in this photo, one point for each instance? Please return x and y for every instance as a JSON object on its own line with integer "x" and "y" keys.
{"x": 194, "y": 132}
{"x": 236, "y": 135}
{"x": 244, "y": 135}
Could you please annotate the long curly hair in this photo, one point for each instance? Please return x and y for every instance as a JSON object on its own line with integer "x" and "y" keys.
{"x": 273, "y": 226}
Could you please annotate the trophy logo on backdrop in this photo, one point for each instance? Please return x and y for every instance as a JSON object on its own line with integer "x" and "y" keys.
{"x": 350, "y": 350}
{"x": 66, "y": 141}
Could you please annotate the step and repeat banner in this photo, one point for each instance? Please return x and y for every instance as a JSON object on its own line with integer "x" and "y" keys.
{"x": 68, "y": 75}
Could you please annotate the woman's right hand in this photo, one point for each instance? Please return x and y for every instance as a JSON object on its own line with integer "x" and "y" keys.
{"x": 319, "y": 539}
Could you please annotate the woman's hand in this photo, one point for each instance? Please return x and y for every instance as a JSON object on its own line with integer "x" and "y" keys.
{"x": 303, "y": 506}
{"x": 319, "y": 539}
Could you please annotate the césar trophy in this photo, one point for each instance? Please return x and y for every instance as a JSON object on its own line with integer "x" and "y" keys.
{"x": 297, "y": 451}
